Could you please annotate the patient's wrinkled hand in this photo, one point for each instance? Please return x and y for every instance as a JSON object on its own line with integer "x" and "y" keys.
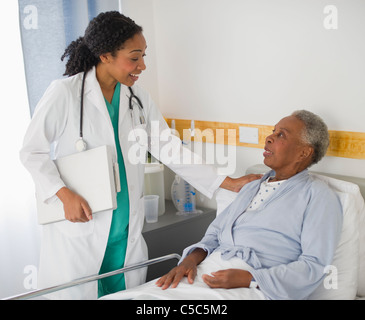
{"x": 187, "y": 268}
{"x": 176, "y": 274}
{"x": 228, "y": 279}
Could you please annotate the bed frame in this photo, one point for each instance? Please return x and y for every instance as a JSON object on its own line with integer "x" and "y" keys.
{"x": 41, "y": 292}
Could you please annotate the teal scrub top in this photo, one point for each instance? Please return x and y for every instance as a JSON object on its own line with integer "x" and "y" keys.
{"x": 118, "y": 235}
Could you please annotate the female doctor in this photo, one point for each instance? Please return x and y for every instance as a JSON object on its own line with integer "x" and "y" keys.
{"x": 103, "y": 67}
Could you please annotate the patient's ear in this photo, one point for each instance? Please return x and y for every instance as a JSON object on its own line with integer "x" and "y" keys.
{"x": 306, "y": 153}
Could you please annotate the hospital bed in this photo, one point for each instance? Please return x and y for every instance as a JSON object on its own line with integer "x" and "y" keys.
{"x": 349, "y": 258}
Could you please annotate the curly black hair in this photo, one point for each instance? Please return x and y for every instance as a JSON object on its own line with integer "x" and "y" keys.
{"x": 105, "y": 33}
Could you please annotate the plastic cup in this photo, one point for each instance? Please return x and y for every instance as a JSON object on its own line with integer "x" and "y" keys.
{"x": 151, "y": 208}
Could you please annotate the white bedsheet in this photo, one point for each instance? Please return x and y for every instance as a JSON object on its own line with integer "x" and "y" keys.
{"x": 196, "y": 291}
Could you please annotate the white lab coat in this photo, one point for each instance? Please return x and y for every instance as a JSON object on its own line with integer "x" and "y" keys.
{"x": 73, "y": 250}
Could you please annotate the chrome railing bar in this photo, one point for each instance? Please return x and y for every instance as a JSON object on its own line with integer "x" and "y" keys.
{"x": 40, "y": 292}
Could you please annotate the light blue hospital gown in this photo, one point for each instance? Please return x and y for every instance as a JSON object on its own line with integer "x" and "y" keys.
{"x": 288, "y": 239}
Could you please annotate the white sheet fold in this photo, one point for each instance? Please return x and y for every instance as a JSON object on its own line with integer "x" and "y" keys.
{"x": 196, "y": 291}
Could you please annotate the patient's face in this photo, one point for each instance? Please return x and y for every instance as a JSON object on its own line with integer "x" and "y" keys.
{"x": 284, "y": 147}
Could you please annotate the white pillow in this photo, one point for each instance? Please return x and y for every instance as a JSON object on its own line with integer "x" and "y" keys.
{"x": 346, "y": 259}
{"x": 361, "y": 283}
{"x": 224, "y": 198}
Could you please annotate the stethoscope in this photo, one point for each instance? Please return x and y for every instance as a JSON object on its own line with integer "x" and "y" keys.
{"x": 137, "y": 114}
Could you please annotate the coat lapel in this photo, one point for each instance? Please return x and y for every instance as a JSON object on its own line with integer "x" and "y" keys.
{"x": 123, "y": 103}
{"x": 94, "y": 96}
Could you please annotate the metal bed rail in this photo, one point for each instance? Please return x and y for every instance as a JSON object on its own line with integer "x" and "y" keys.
{"x": 41, "y": 292}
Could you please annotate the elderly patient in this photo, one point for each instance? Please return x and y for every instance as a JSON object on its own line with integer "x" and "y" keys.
{"x": 280, "y": 232}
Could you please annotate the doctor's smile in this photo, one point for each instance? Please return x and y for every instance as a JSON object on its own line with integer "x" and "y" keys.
{"x": 123, "y": 66}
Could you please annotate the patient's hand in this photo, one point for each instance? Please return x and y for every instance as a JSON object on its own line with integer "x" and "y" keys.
{"x": 187, "y": 268}
{"x": 235, "y": 184}
{"x": 176, "y": 274}
{"x": 228, "y": 279}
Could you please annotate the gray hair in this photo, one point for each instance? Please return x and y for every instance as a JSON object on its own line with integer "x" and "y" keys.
{"x": 315, "y": 133}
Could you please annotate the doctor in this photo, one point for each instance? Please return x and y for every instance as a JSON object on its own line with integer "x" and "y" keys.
{"x": 103, "y": 67}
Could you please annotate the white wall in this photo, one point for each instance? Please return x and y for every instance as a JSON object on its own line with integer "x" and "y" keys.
{"x": 255, "y": 61}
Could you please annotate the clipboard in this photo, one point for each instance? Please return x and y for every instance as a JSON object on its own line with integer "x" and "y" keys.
{"x": 92, "y": 175}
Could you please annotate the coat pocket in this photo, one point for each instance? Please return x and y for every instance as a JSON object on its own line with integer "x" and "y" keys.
{"x": 76, "y": 229}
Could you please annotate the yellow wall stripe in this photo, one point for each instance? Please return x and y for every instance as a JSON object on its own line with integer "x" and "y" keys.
{"x": 344, "y": 144}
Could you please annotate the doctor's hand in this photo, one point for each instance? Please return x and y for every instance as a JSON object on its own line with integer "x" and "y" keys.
{"x": 187, "y": 268}
{"x": 228, "y": 279}
{"x": 235, "y": 184}
{"x": 76, "y": 207}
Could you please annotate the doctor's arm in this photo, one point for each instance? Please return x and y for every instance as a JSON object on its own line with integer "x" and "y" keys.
{"x": 168, "y": 149}
{"x": 46, "y": 126}
{"x": 235, "y": 184}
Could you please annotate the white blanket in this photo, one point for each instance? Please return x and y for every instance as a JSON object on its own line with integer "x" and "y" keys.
{"x": 196, "y": 291}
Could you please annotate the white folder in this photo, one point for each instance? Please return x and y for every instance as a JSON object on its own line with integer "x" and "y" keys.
{"x": 92, "y": 175}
